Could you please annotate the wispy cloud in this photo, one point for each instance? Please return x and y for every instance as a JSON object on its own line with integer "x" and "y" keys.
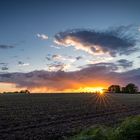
{"x": 58, "y": 57}
{"x": 56, "y": 47}
{"x": 139, "y": 29}
{"x": 2, "y": 46}
{"x": 42, "y": 36}
{"x": 119, "y": 65}
{"x": 125, "y": 63}
{"x": 3, "y": 63}
{"x": 20, "y": 63}
{"x": 4, "y": 68}
{"x": 58, "y": 67}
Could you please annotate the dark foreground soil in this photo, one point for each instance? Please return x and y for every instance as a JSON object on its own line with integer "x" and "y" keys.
{"x": 59, "y": 116}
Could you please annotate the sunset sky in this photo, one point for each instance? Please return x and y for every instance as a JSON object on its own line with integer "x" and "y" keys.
{"x": 68, "y": 45}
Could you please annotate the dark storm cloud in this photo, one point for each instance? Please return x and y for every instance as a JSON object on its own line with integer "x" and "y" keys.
{"x": 2, "y": 63}
{"x": 113, "y": 41}
{"x": 61, "y": 80}
{"x": 6, "y": 46}
{"x": 125, "y": 63}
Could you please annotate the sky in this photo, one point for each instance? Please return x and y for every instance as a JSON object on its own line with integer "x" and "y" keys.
{"x": 68, "y": 45}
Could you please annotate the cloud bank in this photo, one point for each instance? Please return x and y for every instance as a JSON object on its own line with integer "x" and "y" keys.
{"x": 102, "y": 74}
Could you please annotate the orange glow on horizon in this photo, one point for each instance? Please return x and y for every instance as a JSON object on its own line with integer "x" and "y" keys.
{"x": 11, "y": 87}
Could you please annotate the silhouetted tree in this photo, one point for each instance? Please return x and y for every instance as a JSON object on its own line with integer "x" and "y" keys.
{"x": 131, "y": 88}
{"x": 114, "y": 89}
{"x": 25, "y": 91}
{"x": 124, "y": 90}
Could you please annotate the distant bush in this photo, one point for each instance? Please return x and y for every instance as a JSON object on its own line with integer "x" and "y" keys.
{"x": 127, "y": 130}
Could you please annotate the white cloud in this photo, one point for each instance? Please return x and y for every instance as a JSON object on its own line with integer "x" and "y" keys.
{"x": 58, "y": 57}
{"x": 42, "y": 36}
{"x": 73, "y": 41}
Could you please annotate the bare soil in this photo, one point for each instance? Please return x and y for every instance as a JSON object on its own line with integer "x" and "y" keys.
{"x": 59, "y": 116}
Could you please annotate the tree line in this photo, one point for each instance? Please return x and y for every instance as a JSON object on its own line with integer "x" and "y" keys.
{"x": 129, "y": 88}
{"x": 21, "y": 91}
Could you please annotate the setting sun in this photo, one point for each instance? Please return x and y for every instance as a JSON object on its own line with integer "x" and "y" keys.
{"x": 92, "y": 89}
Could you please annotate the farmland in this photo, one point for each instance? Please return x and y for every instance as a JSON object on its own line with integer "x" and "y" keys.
{"x": 58, "y": 116}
